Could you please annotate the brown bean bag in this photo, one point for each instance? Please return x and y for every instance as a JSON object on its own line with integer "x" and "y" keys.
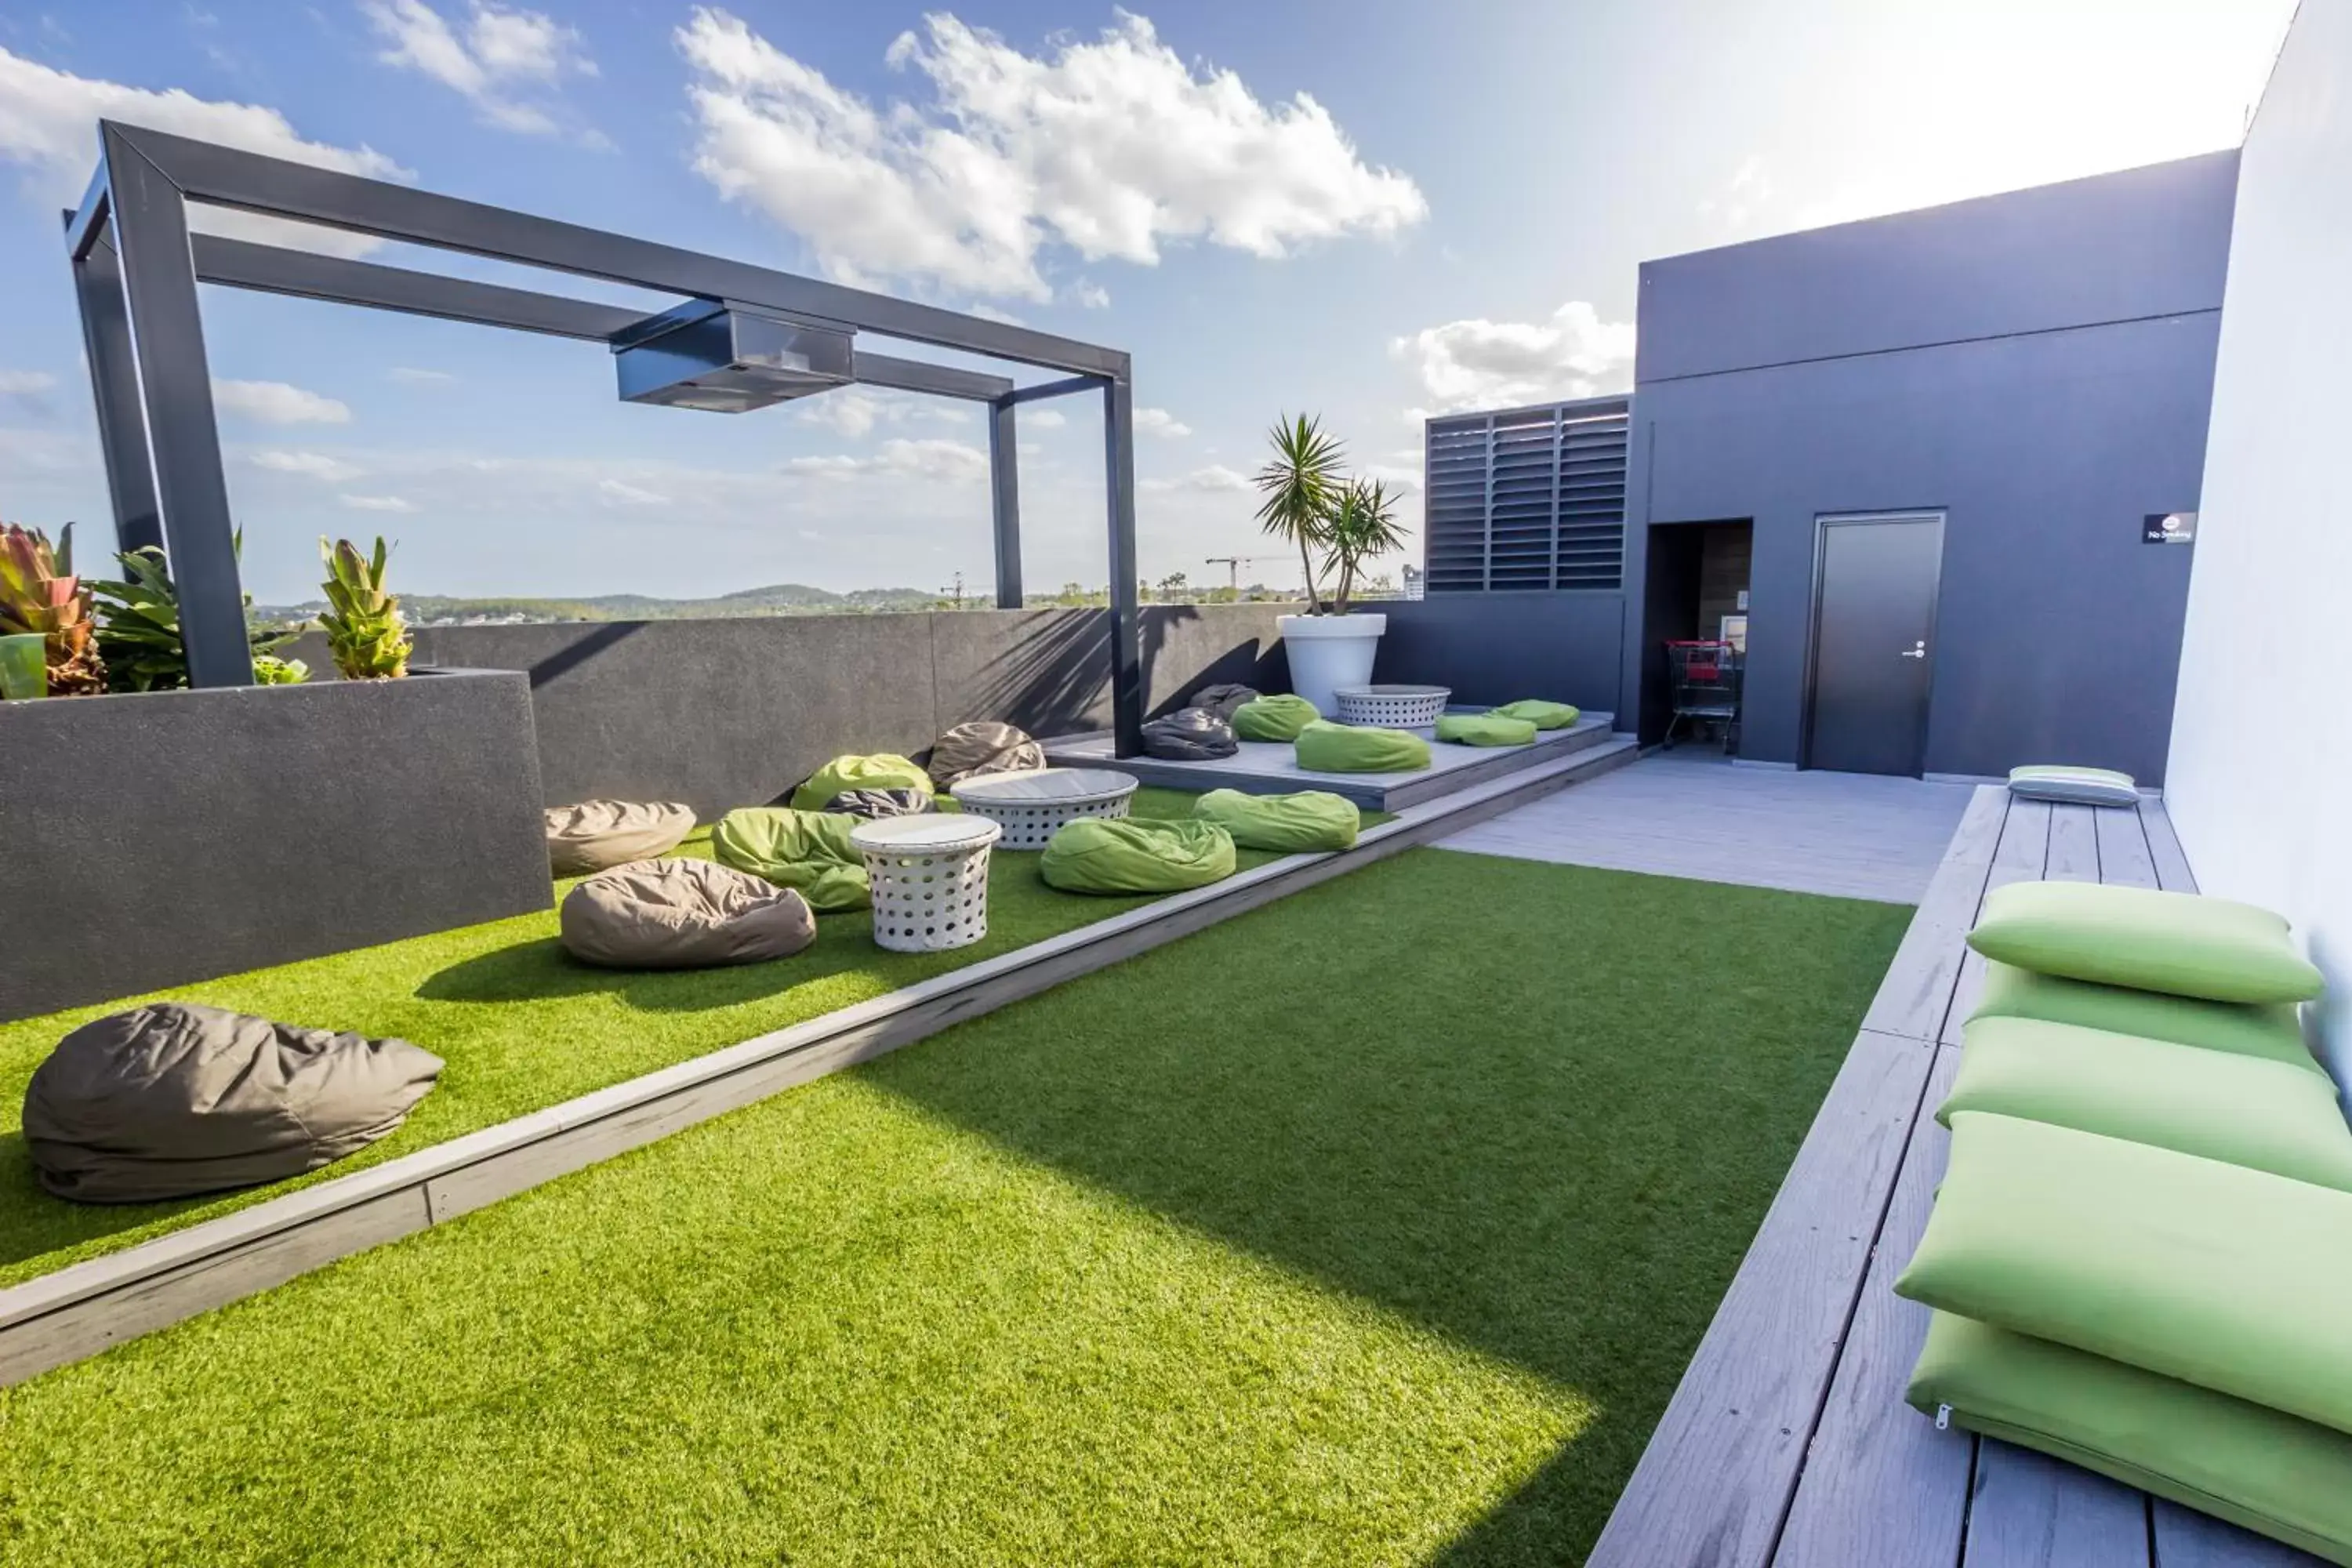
{"x": 1221, "y": 700}
{"x": 682, "y": 914}
{"x": 873, "y": 804}
{"x": 170, "y": 1100}
{"x": 596, "y": 834}
{"x": 969, "y": 749}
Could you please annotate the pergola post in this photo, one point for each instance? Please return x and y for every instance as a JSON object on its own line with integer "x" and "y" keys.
{"x": 114, "y": 383}
{"x": 1126, "y": 608}
{"x": 150, "y": 218}
{"x": 1004, "y": 476}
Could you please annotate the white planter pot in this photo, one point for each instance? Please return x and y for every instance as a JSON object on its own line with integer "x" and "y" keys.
{"x": 1328, "y": 652}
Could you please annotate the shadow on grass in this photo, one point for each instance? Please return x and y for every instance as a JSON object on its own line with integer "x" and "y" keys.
{"x": 21, "y": 1190}
{"x": 1534, "y": 1117}
{"x": 541, "y": 970}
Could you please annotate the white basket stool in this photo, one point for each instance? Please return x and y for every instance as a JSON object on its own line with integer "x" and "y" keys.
{"x": 929, "y": 877}
{"x": 1394, "y": 707}
{"x": 1030, "y": 806}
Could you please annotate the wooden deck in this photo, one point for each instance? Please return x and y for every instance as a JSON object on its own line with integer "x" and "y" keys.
{"x": 1788, "y": 1443}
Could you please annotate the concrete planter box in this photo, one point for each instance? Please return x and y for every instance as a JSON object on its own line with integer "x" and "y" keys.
{"x": 161, "y": 839}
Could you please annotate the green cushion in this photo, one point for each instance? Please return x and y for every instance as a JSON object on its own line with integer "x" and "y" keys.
{"x": 2249, "y": 1029}
{"x": 1541, "y": 714}
{"x": 1309, "y": 819}
{"x": 2258, "y": 1468}
{"x": 2074, "y": 787}
{"x": 1277, "y": 717}
{"x": 2263, "y": 1115}
{"x": 1484, "y": 730}
{"x": 809, "y": 850}
{"x": 884, "y": 770}
{"x": 1136, "y": 855}
{"x": 2232, "y": 1280}
{"x": 1325, "y": 748}
{"x": 2178, "y": 944}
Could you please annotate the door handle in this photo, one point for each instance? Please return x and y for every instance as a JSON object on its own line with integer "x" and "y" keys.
{"x": 1917, "y": 650}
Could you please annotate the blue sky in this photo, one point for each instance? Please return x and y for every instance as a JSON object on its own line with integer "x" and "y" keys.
{"x": 1368, "y": 210}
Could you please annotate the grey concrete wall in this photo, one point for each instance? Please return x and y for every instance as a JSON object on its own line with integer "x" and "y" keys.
{"x": 174, "y": 836}
{"x": 2058, "y": 632}
{"x": 1499, "y": 647}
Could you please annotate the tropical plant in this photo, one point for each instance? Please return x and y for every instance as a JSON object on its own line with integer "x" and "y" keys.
{"x": 365, "y": 630}
{"x": 269, "y": 669}
{"x": 1301, "y": 485}
{"x": 139, "y": 635}
{"x": 39, "y": 594}
{"x": 1362, "y": 525}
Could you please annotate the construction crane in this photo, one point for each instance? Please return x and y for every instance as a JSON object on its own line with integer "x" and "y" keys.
{"x": 957, "y": 590}
{"x": 1233, "y": 565}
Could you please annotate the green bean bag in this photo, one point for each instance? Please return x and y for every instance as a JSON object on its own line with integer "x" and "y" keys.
{"x": 1136, "y": 855}
{"x": 1484, "y": 730}
{"x": 1277, "y": 717}
{"x": 1348, "y": 749}
{"x": 1308, "y": 820}
{"x": 884, "y": 770}
{"x": 806, "y": 850}
{"x": 1543, "y": 715}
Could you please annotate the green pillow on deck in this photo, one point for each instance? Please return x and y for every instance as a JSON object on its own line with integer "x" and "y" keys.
{"x": 2262, "y": 1115}
{"x": 1326, "y": 748}
{"x": 1309, "y": 820}
{"x": 2232, "y": 1280}
{"x": 808, "y": 850}
{"x": 2179, "y": 943}
{"x": 2270, "y": 1472}
{"x": 1135, "y": 855}
{"x": 884, "y": 770}
{"x": 1277, "y": 717}
{"x": 1484, "y": 730}
{"x": 2270, "y": 1030}
{"x": 1541, "y": 714}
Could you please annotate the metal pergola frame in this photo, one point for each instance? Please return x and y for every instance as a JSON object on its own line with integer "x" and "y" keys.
{"x": 136, "y": 267}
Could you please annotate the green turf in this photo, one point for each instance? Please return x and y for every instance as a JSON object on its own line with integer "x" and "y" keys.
{"x": 520, "y": 1026}
{"x": 1373, "y": 1226}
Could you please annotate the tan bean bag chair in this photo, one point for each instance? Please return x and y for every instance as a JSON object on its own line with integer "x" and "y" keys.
{"x": 600, "y": 832}
{"x": 969, "y": 750}
{"x": 682, "y": 914}
{"x": 171, "y": 1100}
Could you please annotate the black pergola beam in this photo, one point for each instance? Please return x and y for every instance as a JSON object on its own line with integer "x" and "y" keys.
{"x": 114, "y": 383}
{"x": 1046, "y": 389}
{"x": 1004, "y": 499}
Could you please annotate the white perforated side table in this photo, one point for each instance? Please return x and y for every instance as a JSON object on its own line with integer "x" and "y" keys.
{"x": 1030, "y": 806}
{"x": 1394, "y": 707}
{"x": 929, "y": 877}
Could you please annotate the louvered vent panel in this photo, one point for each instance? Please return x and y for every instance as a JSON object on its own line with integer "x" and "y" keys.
{"x": 1530, "y": 498}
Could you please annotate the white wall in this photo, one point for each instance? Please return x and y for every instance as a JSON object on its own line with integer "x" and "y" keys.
{"x": 2260, "y": 779}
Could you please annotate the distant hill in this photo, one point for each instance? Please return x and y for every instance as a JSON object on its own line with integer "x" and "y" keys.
{"x": 779, "y": 599}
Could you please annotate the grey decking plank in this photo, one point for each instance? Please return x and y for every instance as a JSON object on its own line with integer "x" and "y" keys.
{"x": 1916, "y": 992}
{"x": 1980, "y": 831}
{"x": 2185, "y": 1539}
{"x": 1714, "y": 1482}
{"x": 2073, "y": 845}
{"x": 1881, "y": 1486}
{"x": 2024, "y": 848}
{"x": 2029, "y": 1510}
{"x": 2124, "y": 858}
{"x": 2172, "y": 872}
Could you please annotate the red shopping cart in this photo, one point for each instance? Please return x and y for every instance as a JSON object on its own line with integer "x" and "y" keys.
{"x": 1705, "y": 678}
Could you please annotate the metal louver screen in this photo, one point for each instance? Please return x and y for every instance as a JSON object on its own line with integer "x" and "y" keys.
{"x": 1527, "y": 497}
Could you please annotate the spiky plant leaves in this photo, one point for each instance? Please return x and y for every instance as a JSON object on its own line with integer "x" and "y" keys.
{"x": 1301, "y": 484}
{"x": 38, "y": 593}
{"x": 1362, "y": 525}
{"x": 365, "y": 630}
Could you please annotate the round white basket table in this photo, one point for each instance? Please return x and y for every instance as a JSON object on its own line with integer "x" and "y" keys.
{"x": 1030, "y": 806}
{"x": 1394, "y": 707}
{"x": 929, "y": 877}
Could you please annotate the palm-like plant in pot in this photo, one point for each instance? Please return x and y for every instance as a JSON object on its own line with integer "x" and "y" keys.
{"x": 1362, "y": 527}
{"x": 1306, "y": 494}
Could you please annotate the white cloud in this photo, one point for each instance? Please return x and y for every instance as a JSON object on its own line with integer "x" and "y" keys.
{"x": 1160, "y": 423}
{"x": 278, "y": 403}
{"x": 622, "y": 493}
{"x": 24, "y": 383}
{"x": 949, "y": 462}
{"x": 416, "y": 376}
{"x": 493, "y": 52}
{"x": 1214, "y": 479}
{"x": 855, "y": 411}
{"x": 316, "y": 464}
{"x": 378, "y": 503}
{"x": 1092, "y": 297}
{"x": 48, "y": 122}
{"x": 1110, "y": 148}
{"x": 1046, "y": 418}
{"x": 1482, "y": 363}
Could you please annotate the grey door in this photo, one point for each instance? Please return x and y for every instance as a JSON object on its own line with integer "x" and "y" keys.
{"x": 1874, "y": 642}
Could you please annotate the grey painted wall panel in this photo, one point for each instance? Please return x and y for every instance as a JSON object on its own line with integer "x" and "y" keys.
{"x": 191, "y": 834}
{"x": 2143, "y": 242}
{"x": 1499, "y": 647}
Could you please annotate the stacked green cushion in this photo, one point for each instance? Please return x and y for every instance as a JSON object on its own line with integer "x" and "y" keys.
{"x": 1277, "y": 717}
{"x": 1308, "y": 820}
{"x": 884, "y": 770}
{"x": 2262, "y": 1115}
{"x": 2257, "y": 1467}
{"x": 2179, "y": 943}
{"x": 1326, "y": 748}
{"x": 2269, "y": 1030}
{"x": 1136, "y": 855}
{"x": 809, "y": 850}
{"x": 1484, "y": 730}
{"x": 1541, "y": 714}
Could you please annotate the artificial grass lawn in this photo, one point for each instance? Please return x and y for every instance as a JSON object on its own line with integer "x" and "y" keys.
{"x": 1372, "y": 1227}
{"x": 520, "y": 1026}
